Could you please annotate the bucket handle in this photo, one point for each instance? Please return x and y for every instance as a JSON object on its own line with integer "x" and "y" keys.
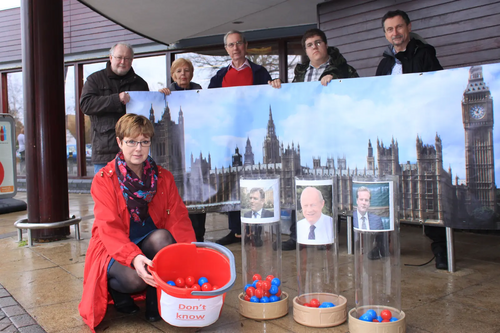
{"x": 232, "y": 266}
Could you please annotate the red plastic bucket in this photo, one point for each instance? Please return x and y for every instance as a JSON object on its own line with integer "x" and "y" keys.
{"x": 185, "y": 307}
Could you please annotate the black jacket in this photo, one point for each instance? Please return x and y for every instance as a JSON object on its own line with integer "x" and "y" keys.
{"x": 337, "y": 67}
{"x": 418, "y": 57}
{"x": 100, "y": 101}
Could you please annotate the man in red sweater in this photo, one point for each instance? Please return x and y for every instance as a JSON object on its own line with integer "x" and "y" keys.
{"x": 240, "y": 72}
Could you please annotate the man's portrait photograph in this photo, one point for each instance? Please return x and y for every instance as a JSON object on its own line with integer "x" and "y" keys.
{"x": 373, "y": 206}
{"x": 259, "y": 200}
{"x": 315, "y": 212}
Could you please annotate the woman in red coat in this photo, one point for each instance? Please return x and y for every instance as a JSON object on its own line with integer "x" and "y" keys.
{"x": 138, "y": 211}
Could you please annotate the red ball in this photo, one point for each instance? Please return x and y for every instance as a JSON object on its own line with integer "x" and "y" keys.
{"x": 314, "y": 303}
{"x": 375, "y": 321}
{"x": 259, "y": 284}
{"x": 196, "y": 287}
{"x": 190, "y": 281}
{"x": 279, "y": 292}
{"x": 386, "y": 321}
{"x": 215, "y": 287}
{"x": 207, "y": 287}
{"x": 270, "y": 278}
{"x": 307, "y": 304}
{"x": 266, "y": 285}
{"x": 386, "y": 314}
{"x": 179, "y": 282}
{"x": 259, "y": 292}
{"x": 256, "y": 277}
{"x": 267, "y": 293}
{"x": 251, "y": 291}
{"x": 247, "y": 298}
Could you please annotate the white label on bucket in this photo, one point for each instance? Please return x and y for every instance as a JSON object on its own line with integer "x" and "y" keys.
{"x": 190, "y": 312}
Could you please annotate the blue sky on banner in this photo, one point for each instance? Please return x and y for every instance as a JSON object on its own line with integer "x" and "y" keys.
{"x": 332, "y": 121}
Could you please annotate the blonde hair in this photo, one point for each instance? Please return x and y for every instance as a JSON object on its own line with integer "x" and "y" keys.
{"x": 132, "y": 125}
{"x": 179, "y": 63}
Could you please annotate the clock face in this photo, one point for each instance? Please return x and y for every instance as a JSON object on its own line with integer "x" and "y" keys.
{"x": 476, "y": 111}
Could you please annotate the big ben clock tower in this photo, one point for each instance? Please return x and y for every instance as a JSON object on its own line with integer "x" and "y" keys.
{"x": 477, "y": 116}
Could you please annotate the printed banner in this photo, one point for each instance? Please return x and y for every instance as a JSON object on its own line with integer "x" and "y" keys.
{"x": 8, "y": 187}
{"x": 433, "y": 130}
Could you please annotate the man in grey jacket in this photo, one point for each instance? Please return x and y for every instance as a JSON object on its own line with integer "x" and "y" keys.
{"x": 104, "y": 97}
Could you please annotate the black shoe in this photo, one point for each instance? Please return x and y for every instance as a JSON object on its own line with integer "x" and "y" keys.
{"x": 123, "y": 302}
{"x": 254, "y": 240}
{"x": 377, "y": 253}
{"x": 441, "y": 261}
{"x": 289, "y": 245}
{"x": 230, "y": 238}
{"x": 152, "y": 313}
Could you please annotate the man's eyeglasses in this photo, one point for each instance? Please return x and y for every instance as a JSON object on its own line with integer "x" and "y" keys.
{"x": 123, "y": 58}
{"x": 133, "y": 143}
{"x": 231, "y": 45}
{"x": 316, "y": 43}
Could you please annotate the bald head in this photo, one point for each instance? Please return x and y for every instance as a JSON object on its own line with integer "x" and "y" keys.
{"x": 312, "y": 203}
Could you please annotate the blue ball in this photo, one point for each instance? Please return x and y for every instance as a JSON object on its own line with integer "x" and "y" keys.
{"x": 276, "y": 282}
{"x": 274, "y": 290}
{"x": 264, "y": 299}
{"x": 379, "y": 318}
{"x": 172, "y": 283}
{"x": 372, "y": 314}
{"x": 394, "y": 319}
{"x": 202, "y": 281}
{"x": 274, "y": 298}
{"x": 246, "y": 287}
{"x": 327, "y": 305}
{"x": 254, "y": 284}
{"x": 254, "y": 299}
{"x": 365, "y": 317}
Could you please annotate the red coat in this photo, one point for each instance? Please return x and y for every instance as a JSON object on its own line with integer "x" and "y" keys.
{"x": 110, "y": 234}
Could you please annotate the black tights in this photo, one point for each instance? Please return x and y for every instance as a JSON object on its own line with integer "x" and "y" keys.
{"x": 125, "y": 279}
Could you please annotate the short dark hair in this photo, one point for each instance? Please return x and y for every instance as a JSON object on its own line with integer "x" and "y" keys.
{"x": 261, "y": 192}
{"x": 311, "y": 33}
{"x": 394, "y": 13}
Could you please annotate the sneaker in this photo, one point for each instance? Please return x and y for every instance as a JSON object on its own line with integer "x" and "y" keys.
{"x": 230, "y": 238}
{"x": 289, "y": 245}
{"x": 441, "y": 261}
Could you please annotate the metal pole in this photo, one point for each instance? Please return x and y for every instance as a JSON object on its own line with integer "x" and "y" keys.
{"x": 350, "y": 234}
{"x": 450, "y": 247}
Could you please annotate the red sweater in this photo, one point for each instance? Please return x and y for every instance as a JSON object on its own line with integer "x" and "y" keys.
{"x": 234, "y": 78}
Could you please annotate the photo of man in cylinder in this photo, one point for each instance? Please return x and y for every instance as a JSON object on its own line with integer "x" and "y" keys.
{"x": 365, "y": 218}
{"x": 257, "y": 199}
{"x": 316, "y": 227}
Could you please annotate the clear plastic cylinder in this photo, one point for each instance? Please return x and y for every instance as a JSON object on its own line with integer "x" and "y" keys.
{"x": 317, "y": 241}
{"x": 260, "y": 229}
{"x": 376, "y": 248}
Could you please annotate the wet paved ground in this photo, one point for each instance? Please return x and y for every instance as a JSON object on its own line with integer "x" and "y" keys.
{"x": 41, "y": 286}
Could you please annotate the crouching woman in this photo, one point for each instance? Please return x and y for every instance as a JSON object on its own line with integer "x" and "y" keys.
{"x": 138, "y": 211}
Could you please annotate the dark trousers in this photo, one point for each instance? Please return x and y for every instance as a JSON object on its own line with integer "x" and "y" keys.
{"x": 438, "y": 237}
{"x": 234, "y": 220}
{"x": 198, "y": 221}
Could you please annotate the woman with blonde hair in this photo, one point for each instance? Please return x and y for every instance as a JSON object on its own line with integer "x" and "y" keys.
{"x": 182, "y": 72}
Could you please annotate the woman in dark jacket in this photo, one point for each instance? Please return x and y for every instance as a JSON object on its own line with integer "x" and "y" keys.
{"x": 182, "y": 71}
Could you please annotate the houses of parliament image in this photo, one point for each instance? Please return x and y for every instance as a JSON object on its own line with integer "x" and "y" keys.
{"x": 427, "y": 192}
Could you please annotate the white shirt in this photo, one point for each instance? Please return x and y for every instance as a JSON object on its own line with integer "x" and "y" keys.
{"x": 323, "y": 232}
{"x": 360, "y": 222}
{"x": 20, "y": 139}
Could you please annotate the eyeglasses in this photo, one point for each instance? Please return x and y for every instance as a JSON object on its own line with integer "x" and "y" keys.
{"x": 316, "y": 43}
{"x": 123, "y": 58}
{"x": 231, "y": 45}
{"x": 133, "y": 143}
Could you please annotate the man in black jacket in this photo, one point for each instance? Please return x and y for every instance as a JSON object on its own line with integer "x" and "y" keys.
{"x": 104, "y": 97}
{"x": 409, "y": 55}
{"x": 405, "y": 54}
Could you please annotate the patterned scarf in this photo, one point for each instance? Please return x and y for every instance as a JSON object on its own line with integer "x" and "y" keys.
{"x": 138, "y": 192}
